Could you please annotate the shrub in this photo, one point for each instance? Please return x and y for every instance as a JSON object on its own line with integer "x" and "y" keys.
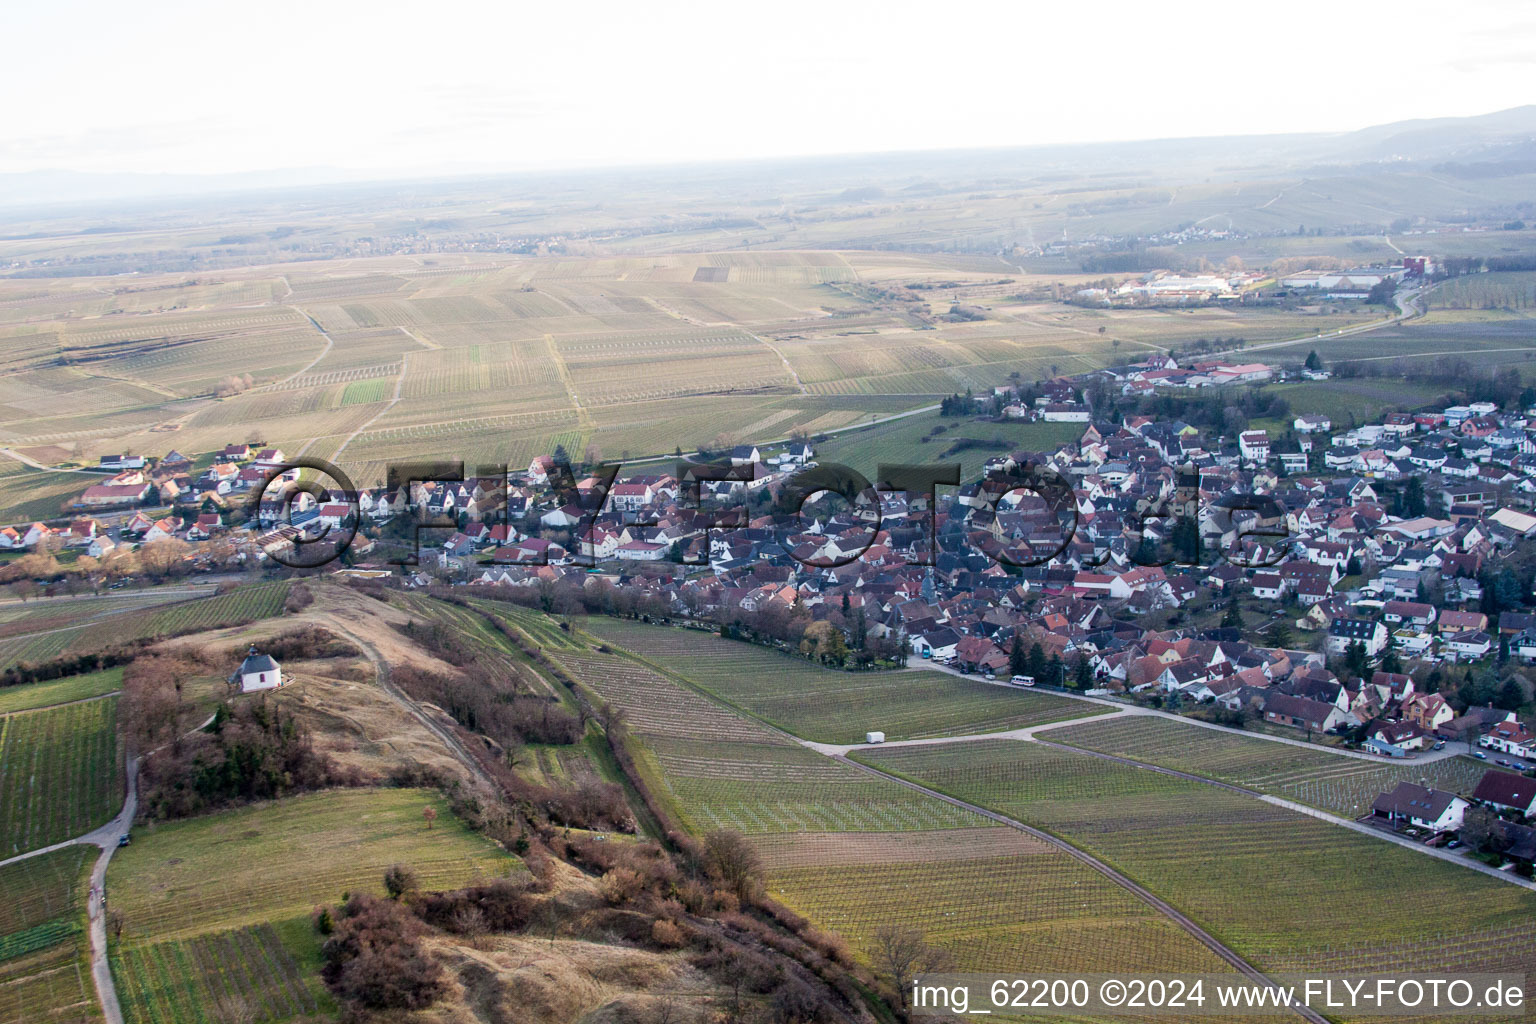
{"x": 399, "y": 880}
{"x": 374, "y": 959}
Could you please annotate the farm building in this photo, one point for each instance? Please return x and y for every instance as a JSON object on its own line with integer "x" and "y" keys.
{"x": 257, "y": 672}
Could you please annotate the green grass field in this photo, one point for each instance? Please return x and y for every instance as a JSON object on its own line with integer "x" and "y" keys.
{"x": 361, "y": 392}
{"x": 1346, "y": 402}
{"x": 830, "y": 706}
{"x": 1282, "y": 888}
{"x": 179, "y": 879}
{"x": 59, "y": 691}
{"x": 1332, "y": 782}
{"x": 902, "y": 441}
{"x": 61, "y": 774}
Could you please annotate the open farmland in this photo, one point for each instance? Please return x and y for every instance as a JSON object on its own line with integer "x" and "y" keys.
{"x": 831, "y": 706}
{"x": 1313, "y": 776}
{"x": 61, "y": 773}
{"x": 854, "y": 852}
{"x": 717, "y": 769}
{"x": 1509, "y": 290}
{"x": 60, "y": 691}
{"x": 43, "y": 974}
{"x": 241, "y": 605}
{"x": 177, "y": 879}
{"x": 54, "y": 985}
{"x": 504, "y": 357}
{"x": 996, "y": 898}
{"x": 271, "y": 973}
{"x": 1198, "y": 847}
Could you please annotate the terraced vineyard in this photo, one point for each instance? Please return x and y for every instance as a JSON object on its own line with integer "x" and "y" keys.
{"x": 269, "y": 972}
{"x": 837, "y": 707}
{"x": 543, "y": 631}
{"x": 61, "y": 774}
{"x": 1332, "y": 782}
{"x": 1199, "y": 847}
{"x": 42, "y": 938}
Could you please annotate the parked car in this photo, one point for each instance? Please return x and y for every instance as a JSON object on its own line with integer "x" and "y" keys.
{"x": 124, "y": 839}
{"x": 991, "y": 675}
{"x": 1440, "y": 745}
{"x": 1503, "y": 763}
{"x": 1453, "y": 844}
{"x": 1480, "y": 756}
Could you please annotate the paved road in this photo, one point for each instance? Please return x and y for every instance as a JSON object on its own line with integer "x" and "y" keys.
{"x": 1216, "y": 946}
{"x": 1426, "y": 757}
{"x": 106, "y": 838}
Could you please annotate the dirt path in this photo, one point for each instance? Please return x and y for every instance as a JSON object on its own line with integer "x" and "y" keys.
{"x": 451, "y": 741}
{"x": 1216, "y": 946}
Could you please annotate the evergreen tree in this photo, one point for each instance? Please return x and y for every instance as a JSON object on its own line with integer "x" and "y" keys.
{"x": 1018, "y": 658}
{"x": 1037, "y": 663}
{"x": 1413, "y": 498}
{"x": 1083, "y": 677}
{"x": 1233, "y": 617}
{"x": 1390, "y": 662}
{"x": 1356, "y": 661}
{"x": 1510, "y": 696}
{"x": 1313, "y": 362}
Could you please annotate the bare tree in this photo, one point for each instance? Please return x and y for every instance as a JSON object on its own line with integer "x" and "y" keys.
{"x": 734, "y": 861}
{"x": 901, "y": 953}
{"x": 429, "y": 814}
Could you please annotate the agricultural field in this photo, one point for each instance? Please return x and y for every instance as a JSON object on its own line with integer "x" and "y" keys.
{"x": 244, "y": 604}
{"x": 830, "y": 706}
{"x": 1330, "y": 782}
{"x": 1508, "y": 290}
{"x": 1198, "y": 846}
{"x": 61, "y": 774}
{"x": 177, "y": 880}
{"x": 636, "y": 355}
{"x": 263, "y": 972}
{"x": 995, "y": 898}
{"x": 59, "y": 691}
{"x": 54, "y": 985}
{"x": 43, "y": 947}
{"x": 716, "y": 769}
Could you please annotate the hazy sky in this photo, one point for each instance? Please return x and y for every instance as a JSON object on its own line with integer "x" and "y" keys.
{"x": 170, "y": 85}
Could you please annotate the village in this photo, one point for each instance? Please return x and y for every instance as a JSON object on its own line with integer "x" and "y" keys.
{"x": 1371, "y": 589}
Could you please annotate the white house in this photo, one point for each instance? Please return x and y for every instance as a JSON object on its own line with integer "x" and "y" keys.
{"x": 257, "y": 672}
{"x": 1254, "y": 445}
{"x": 1428, "y": 808}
